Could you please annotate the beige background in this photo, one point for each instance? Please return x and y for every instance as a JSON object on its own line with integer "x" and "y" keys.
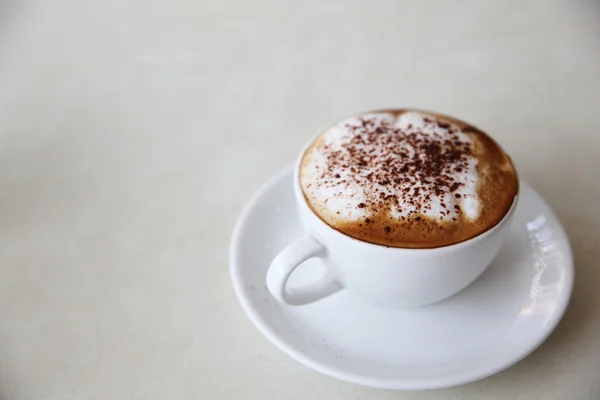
{"x": 132, "y": 132}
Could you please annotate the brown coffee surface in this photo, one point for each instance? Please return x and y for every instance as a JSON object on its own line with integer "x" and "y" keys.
{"x": 407, "y": 178}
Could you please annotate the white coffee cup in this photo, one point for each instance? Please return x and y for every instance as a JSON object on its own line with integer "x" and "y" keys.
{"x": 389, "y": 276}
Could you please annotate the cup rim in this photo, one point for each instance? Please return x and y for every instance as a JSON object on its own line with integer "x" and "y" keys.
{"x": 454, "y": 246}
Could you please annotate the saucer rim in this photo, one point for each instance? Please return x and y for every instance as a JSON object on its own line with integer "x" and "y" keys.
{"x": 451, "y": 380}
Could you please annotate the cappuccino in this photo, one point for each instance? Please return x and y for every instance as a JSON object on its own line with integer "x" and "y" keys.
{"x": 406, "y": 178}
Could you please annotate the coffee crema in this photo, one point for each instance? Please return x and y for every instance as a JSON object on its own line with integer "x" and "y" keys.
{"x": 407, "y": 178}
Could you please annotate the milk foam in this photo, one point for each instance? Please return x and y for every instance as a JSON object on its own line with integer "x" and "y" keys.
{"x": 345, "y": 197}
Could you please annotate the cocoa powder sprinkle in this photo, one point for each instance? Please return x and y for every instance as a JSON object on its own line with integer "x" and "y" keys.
{"x": 399, "y": 161}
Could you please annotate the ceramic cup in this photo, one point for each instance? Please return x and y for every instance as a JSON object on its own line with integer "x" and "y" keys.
{"x": 389, "y": 276}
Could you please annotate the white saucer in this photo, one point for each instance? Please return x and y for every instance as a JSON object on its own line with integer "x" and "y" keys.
{"x": 494, "y": 323}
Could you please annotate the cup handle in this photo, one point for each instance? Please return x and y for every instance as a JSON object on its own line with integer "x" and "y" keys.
{"x": 287, "y": 261}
